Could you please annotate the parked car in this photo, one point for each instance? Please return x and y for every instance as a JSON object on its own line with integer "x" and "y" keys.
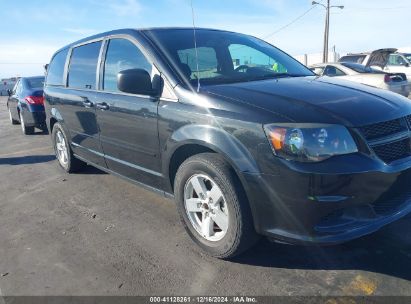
{"x": 384, "y": 59}
{"x": 244, "y": 151}
{"x": 395, "y": 82}
{"x": 407, "y": 55}
{"x": 26, "y": 104}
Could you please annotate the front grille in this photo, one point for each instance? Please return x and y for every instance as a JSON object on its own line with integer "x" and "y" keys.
{"x": 383, "y": 129}
{"x": 393, "y": 151}
{"x": 390, "y": 140}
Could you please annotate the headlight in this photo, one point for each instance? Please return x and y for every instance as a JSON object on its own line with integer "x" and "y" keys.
{"x": 309, "y": 142}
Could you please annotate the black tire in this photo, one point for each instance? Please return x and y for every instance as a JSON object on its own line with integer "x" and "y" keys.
{"x": 25, "y": 129}
{"x": 73, "y": 164}
{"x": 240, "y": 234}
{"x": 12, "y": 120}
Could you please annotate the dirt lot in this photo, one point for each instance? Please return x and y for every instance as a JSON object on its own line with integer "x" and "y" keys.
{"x": 94, "y": 234}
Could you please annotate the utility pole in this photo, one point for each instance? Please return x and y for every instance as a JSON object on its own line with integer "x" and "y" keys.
{"x": 327, "y": 26}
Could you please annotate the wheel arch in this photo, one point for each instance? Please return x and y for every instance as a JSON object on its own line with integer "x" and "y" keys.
{"x": 195, "y": 139}
{"x": 53, "y": 118}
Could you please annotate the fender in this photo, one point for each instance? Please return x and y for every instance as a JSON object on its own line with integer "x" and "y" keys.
{"x": 55, "y": 113}
{"x": 215, "y": 139}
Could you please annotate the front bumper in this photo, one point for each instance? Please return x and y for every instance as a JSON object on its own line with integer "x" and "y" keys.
{"x": 330, "y": 202}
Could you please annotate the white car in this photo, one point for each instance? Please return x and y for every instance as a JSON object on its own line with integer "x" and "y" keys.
{"x": 385, "y": 59}
{"x": 395, "y": 82}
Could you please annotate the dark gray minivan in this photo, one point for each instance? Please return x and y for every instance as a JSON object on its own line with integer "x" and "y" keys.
{"x": 246, "y": 139}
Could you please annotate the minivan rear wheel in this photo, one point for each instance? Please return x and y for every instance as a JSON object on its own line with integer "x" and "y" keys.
{"x": 63, "y": 151}
{"x": 213, "y": 207}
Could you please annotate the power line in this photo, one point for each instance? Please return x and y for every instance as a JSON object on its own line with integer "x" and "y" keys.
{"x": 380, "y": 8}
{"x": 290, "y": 23}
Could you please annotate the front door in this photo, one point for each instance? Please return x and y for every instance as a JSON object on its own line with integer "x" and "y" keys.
{"x": 128, "y": 122}
{"x": 79, "y": 102}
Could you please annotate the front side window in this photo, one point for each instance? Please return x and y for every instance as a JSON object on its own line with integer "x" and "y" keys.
{"x": 122, "y": 55}
{"x": 396, "y": 60}
{"x": 83, "y": 66}
{"x": 55, "y": 73}
{"x": 223, "y": 57}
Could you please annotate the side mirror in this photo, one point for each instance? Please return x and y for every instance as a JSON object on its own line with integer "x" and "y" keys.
{"x": 406, "y": 64}
{"x": 9, "y": 92}
{"x": 135, "y": 81}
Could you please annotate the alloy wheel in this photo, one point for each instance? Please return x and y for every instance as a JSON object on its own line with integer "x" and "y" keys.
{"x": 206, "y": 207}
{"x": 61, "y": 149}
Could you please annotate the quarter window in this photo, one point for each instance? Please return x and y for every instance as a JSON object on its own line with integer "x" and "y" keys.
{"x": 122, "y": 55}
{"x": 83, "y": 66}
{"x": 55, "y": 73}
{"x": 332, "y": 71}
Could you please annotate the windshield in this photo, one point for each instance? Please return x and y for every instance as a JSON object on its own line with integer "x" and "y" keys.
{"x": 359, "y": 68}
{"x": 37, "y": 82}
{"x": 224, "y": 57}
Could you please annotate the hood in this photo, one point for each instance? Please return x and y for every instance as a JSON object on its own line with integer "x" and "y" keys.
{"x": 380, "y": 57}
{"x": 316, "y": 100}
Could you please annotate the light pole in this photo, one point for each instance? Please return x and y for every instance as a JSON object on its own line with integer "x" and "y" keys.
{"x": 327, "y": 25}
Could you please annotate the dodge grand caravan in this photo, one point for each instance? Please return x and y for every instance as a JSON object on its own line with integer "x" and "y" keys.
{"x": 246, "y": 139}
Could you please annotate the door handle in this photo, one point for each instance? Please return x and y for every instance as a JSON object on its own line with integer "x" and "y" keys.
{"x": 87, "y": 103}
{"x": 103, "y": 106}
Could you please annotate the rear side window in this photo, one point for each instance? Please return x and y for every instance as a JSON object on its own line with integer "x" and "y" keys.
{"x": 122, "y": 55}
{"x": 353, "y": 58}
{"x": 83, "y": 66}
{"x": 55, "y": 72}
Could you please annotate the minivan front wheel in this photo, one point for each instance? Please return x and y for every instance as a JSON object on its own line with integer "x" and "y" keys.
{"x": 213, "y": 207}
{"x": 63, "y": 152}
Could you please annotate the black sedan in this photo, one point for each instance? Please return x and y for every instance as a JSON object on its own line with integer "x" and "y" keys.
{"x": 26, "y": 104}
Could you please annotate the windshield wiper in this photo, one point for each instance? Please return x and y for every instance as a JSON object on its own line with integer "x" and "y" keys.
{"x": 278, "y": 75}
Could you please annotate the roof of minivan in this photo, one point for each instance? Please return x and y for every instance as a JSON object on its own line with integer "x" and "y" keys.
{"x": 134, "y": 30}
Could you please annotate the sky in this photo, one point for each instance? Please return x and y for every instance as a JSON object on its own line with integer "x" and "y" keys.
{"x": 33, "y": 30}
